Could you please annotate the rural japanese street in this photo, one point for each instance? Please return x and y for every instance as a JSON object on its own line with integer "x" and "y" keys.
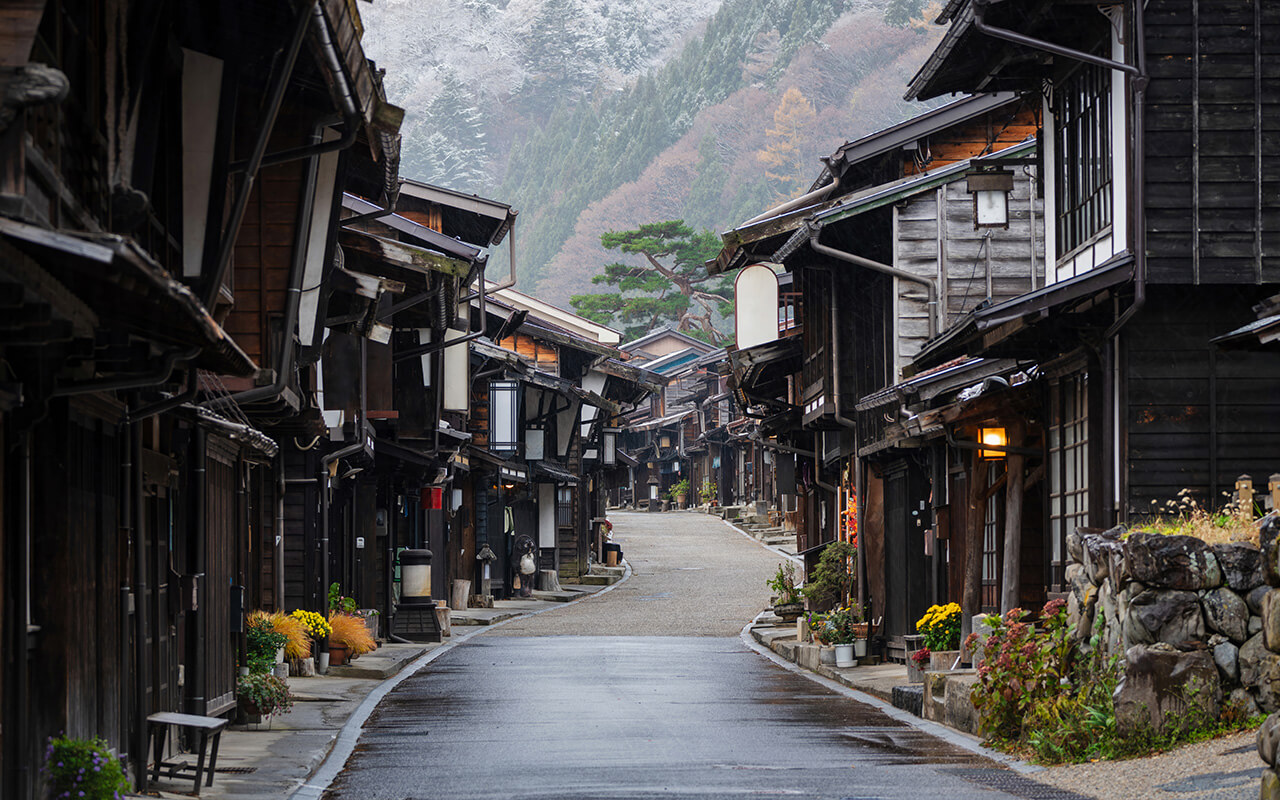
{"x": 647, "y": 691}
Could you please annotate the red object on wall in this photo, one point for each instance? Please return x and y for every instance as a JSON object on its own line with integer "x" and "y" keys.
{"x": 433, "y": 498}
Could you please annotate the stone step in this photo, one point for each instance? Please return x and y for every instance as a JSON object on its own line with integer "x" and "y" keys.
{"x": 599, "y": 580}
{"x": 602, "y": 569}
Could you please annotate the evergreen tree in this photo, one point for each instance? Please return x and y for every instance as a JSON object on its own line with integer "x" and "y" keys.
{"x": 670, "y": 285}
{"x": 454, "y": 153}
{"x": 785, "y": 165}
{"x": 899, "y": 13}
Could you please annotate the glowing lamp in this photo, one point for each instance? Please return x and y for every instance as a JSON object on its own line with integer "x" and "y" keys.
{"x": 993, "y": 437}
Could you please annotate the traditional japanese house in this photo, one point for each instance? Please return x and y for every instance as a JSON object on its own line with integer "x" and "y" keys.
{"x": 135, "y": 518}
{"x": 887, "y": 252}
{"x": 1154, "y": 123}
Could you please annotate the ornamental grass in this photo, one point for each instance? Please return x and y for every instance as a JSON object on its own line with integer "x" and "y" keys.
{"x": 298, "y": 637}
{"x": 351, "y": 631}
{"x": 1184, "y": 516}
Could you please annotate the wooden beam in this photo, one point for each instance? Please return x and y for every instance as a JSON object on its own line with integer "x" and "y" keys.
{"x": 1011, "y": 580}
{"x": 403, "y": 256}
{"x": 975, "y": 521}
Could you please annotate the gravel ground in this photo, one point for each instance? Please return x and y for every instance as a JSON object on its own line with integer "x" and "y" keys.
{"x": 692, "y": 576}
{"x": 1222, "y": 769}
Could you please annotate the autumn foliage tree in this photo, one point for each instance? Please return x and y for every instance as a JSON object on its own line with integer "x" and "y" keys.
{"x": 670, "y": 284}
{"x": 788, "y": 171}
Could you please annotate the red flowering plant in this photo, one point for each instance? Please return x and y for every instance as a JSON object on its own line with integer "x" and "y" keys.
{"x": 1023, "y": 665}
{"x": 921, "y": 657}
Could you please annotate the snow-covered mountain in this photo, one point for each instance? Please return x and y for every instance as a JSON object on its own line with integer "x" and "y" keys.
{"x": 472, "y": 75}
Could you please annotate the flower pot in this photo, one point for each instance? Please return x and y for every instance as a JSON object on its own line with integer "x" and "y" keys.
{"x": 789, "y": 612}
{"x": 322, "y": 663}
{"x": 250, "y": 714}
{"x": 844, "y": 655}
{"x": 338, "y": 653}
{"x": 915, "y": 674}
{"x": 280, "y": 655}
{"x": 941, "y": 660}
{"x": 860, "y": 648}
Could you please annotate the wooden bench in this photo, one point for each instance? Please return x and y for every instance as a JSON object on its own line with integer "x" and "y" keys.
{"x": 158, "y": 732}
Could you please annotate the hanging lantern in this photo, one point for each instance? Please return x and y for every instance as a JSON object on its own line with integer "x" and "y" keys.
{"x": 535, "y": 443}
{"x": 504, "y": 416}
{"x": 609, "y": 446}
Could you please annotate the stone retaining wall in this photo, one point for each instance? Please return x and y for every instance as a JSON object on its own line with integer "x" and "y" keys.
{"x": 1196, "y": 623}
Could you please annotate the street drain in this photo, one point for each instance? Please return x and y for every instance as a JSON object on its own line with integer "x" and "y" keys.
{"x": 1012, "y": 783}
{"x": 235, "y": 770}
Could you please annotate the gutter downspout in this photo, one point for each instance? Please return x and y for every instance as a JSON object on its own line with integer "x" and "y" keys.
{"x": 820, "y": 193}
{"x": 142, "y": 672}
{"x": 200, "y": 471}
{"x": 1138, "y": 72}
{"x": 432, "y": 347}
{"x": 257, "y": 159}
{"x": 815, "y": 230}
{"x": 167, "y": 363}
{"x": 284, "y": 366}
{"x": 325, "y": 491}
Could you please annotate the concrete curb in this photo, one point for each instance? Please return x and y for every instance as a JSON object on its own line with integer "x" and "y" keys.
{"x": 344, "y": 744}
{"x": 949, "y": 735}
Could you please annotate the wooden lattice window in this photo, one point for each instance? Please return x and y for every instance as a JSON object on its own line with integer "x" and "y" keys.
{"x": 1068, "y": 468}
{"x": 1082, "y": 141}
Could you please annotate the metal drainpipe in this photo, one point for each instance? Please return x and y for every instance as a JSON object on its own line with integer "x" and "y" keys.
{"x": 22, "y": 633}
{"x": 815, "y": 230}
{"x": 272, "y": 108}
{"x": 284, "y": 363}
{"x": 198, "y": 699}
{"x": 433, "y": 347}
{"x": 142, "y": 671}
{"x": 1138, "y": 72}
{"x": 161, "y": 406}
{"x": 817, "y": 194}
{"x": 279, "y": 543}
{"x": 325, "y": 491}
{"x": 167, "y": 363}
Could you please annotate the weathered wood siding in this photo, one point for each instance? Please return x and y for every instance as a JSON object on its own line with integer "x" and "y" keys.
{"x": 936, "y": 227}
{"x": 1213, "y": 141}
{"x": 1196, "y": 416}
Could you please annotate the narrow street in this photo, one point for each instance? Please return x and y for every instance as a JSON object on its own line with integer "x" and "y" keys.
{"x": 646, "y": 691}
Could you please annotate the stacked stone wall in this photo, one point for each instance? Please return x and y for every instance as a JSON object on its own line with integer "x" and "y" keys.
{"x": 1195, "y": 622}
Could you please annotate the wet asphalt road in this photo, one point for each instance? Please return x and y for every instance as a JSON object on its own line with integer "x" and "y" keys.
{"x": 543, "y": 712}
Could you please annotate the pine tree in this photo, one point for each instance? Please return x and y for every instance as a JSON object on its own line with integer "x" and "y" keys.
{"x": 785, "y": 166}
{"x": 670, "y": 285}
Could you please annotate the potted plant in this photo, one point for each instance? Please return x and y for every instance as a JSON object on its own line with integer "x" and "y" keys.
{"x": 297, "y": 637}
{"x": 788, "y": 605}
{"x": 679, "y": 492}
{"x": 349, "y": 637}
{"x": 841, "y": 630}
{"x": 261, "y": 695}
{"x": 263, "y": 645}
{"x": 940, "y": 627}
{"x": 319, "y": 629}
{"x": 707, "y": 492}
{"x": 83, "y": 768}
{"x": 917, "y": 663}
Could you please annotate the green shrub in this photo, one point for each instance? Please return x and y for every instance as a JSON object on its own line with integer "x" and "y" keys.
{"x": 261, "y": 644}
{"x": 83, "y": 768}
{"x": 264, "y": 692}
{"x": 832, "y": 579}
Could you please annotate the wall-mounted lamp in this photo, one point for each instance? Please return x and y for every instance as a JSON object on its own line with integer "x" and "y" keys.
{"x": 609, "y": 446}
{"x": 664, "y": 441}
{"x": 990, "y": 190}
{"x": 504, "y": 416}
{"x": 996, "y": 437}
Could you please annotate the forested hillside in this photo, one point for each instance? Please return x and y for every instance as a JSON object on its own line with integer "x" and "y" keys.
{"x": 567, "y": 108}
{"x": 759, "y": 146}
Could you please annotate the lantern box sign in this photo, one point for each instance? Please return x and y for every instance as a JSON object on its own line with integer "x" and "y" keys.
{"x": 504, "y": 416}
{"x": 433, "y": 498}
{"x": 990, "y": 191}
{"x": 995, "y": 437}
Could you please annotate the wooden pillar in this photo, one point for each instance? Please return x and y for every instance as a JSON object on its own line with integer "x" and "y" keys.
{"x": 975, "y": 520}
{"x": 1011, "y": 583}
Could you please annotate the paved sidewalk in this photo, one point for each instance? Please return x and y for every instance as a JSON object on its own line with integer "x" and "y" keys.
{"x": 270, "y": 761}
